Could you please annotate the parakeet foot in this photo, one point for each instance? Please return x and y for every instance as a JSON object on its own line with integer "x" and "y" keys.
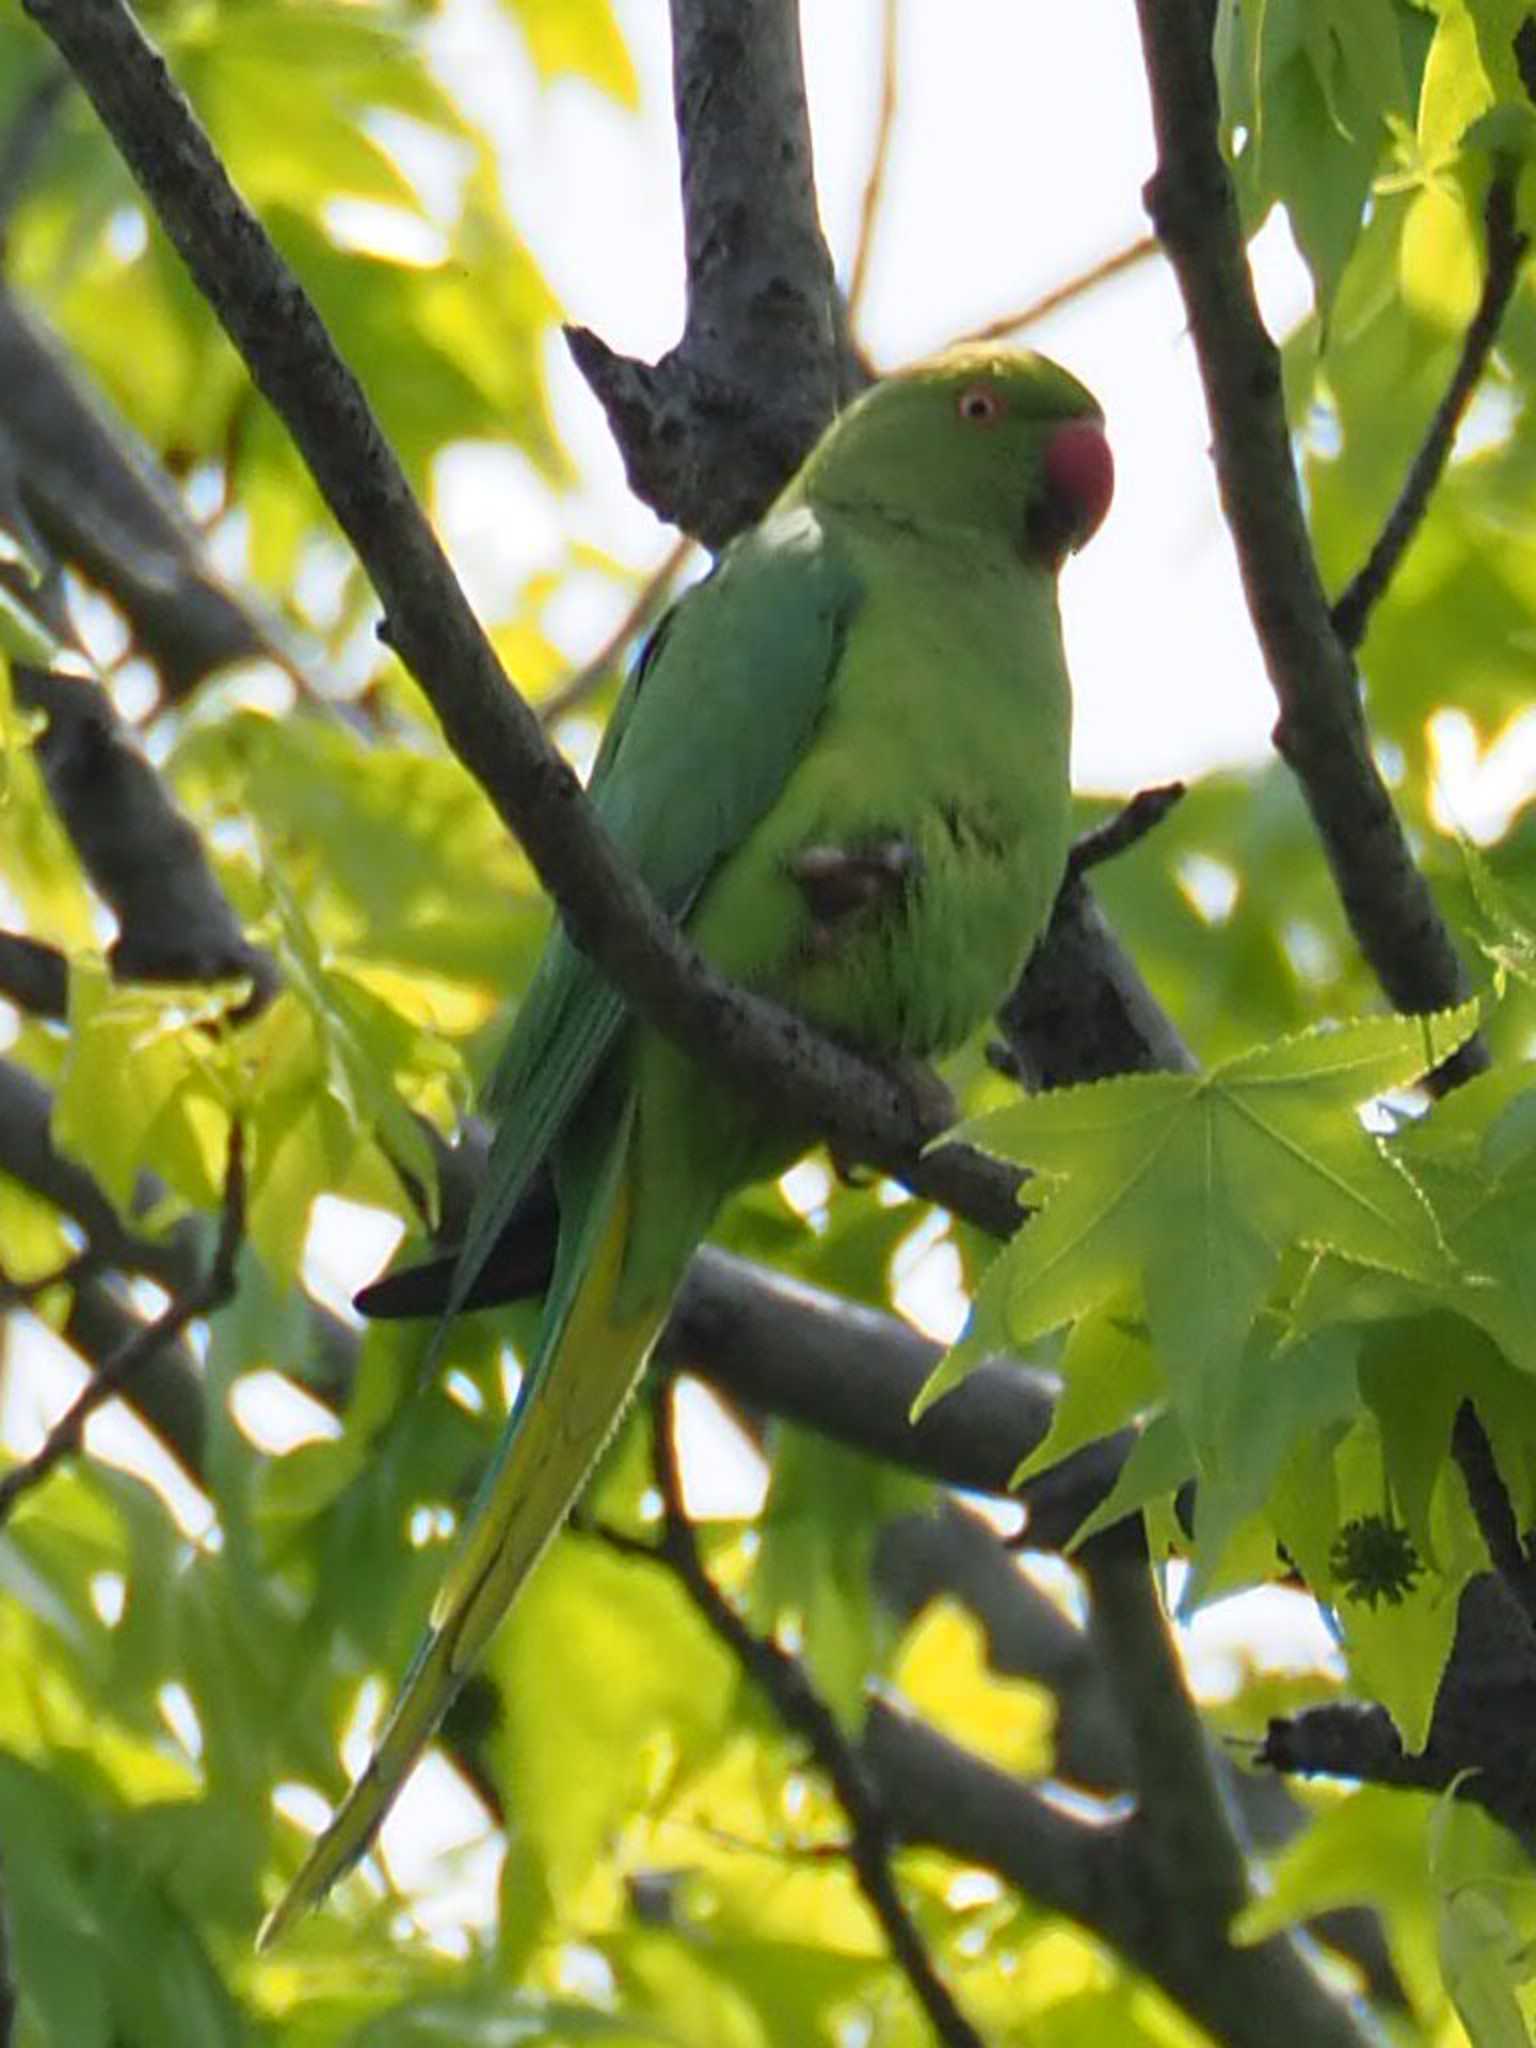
{"x": 840, "y": 882}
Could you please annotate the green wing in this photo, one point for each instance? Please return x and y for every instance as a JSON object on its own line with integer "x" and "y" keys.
{"x": 714, "y": 717}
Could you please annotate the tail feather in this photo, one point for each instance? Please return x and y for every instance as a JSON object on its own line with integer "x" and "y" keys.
{"x": 588, "y": 1364}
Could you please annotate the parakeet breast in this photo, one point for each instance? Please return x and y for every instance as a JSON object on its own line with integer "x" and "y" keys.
{"x": 942, "y": 755}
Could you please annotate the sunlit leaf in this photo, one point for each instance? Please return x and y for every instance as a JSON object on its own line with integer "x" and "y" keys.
{"x": 1190, "y": 1186}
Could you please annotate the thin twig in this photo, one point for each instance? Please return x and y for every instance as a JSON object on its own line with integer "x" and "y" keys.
{"x": 648, "y": 600}
{"x": 1071, "y": 288}
{"x": 1491, "y": 1505}
{"x": 211, "y": 1292}
{"x": 1507, "y": 245}
{"x": 1133, "y": 821}
{"x": 879, "y": 161}
{"x": 784, "y": 1679}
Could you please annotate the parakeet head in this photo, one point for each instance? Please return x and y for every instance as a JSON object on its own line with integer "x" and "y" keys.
{"x": 980, "y": 436}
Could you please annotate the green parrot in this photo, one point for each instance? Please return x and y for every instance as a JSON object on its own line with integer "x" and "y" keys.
{"x": 842, "y": 764}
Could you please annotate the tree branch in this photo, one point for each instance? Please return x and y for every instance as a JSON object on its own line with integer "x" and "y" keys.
{"x": 941, "y": 1794}
{"x": 1181, "y": 1828}
{"x": 853, "y": 1373}
{"x": 1132, "y": 822}
{"x": 27, "y": 1154}
{"x": 1491, "y": 1505}
{"x": 1478, "y": 1734}
{"x": 1321, "y": 732}
{"x": 93, "y": 499}
{"x": 210, "y": 1292}
{"x": 34, "y": 976}
{"x": 1507, "y": 245}
{"x": 167, "y": 1391}
{"x": 785, "y": 1681}
{"x": 952, "y": 1550}
{"x": 143, "y": 857}
{"x": 1082, "y": 1010}
{"x": 710, "y": 433}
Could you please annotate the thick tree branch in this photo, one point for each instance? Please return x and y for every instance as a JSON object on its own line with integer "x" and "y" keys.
{"x": 143, "y": 857}
{"x": 1479, "y": 1732}
{"x": 1495, "y": 1513}
{"x": 852, "y": 1373}
{"x": 938, "y": 1793}
{"x": 1506, "y": 245}
{"x": 1321, "y": 731}
{"x": 921, "y": 1557}
{"x": 93, "y": 499}
{"x": 710, "y": 433}
{"x": 34, "y": 976}
{"x": 1082, "y": 1010}
{"x": 1181, "y": 1827}
{"x": 952, "y": 1550}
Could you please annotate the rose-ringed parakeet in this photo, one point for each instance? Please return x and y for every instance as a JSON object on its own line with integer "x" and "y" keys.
{"x": 842, "y": 764}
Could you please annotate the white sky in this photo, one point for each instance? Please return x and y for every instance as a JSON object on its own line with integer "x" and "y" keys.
{"x": 1011, "y": 170}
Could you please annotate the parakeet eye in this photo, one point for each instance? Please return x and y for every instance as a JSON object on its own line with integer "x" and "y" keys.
{"x": 981, "y": 404}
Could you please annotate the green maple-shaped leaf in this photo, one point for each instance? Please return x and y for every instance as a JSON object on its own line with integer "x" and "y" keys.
{"x": 1188, "y": 1187}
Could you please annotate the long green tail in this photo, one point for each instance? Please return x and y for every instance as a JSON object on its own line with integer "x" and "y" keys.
{"x": 587, "y": 1366}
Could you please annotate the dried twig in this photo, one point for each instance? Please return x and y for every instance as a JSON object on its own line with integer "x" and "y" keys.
{"x": 879, "y": 161}
{"x": 649, "y": 598}
{"x": 211, "y": 1292}
{"x": 1507, "y": 245}
{"x": 1075, "y": 287}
